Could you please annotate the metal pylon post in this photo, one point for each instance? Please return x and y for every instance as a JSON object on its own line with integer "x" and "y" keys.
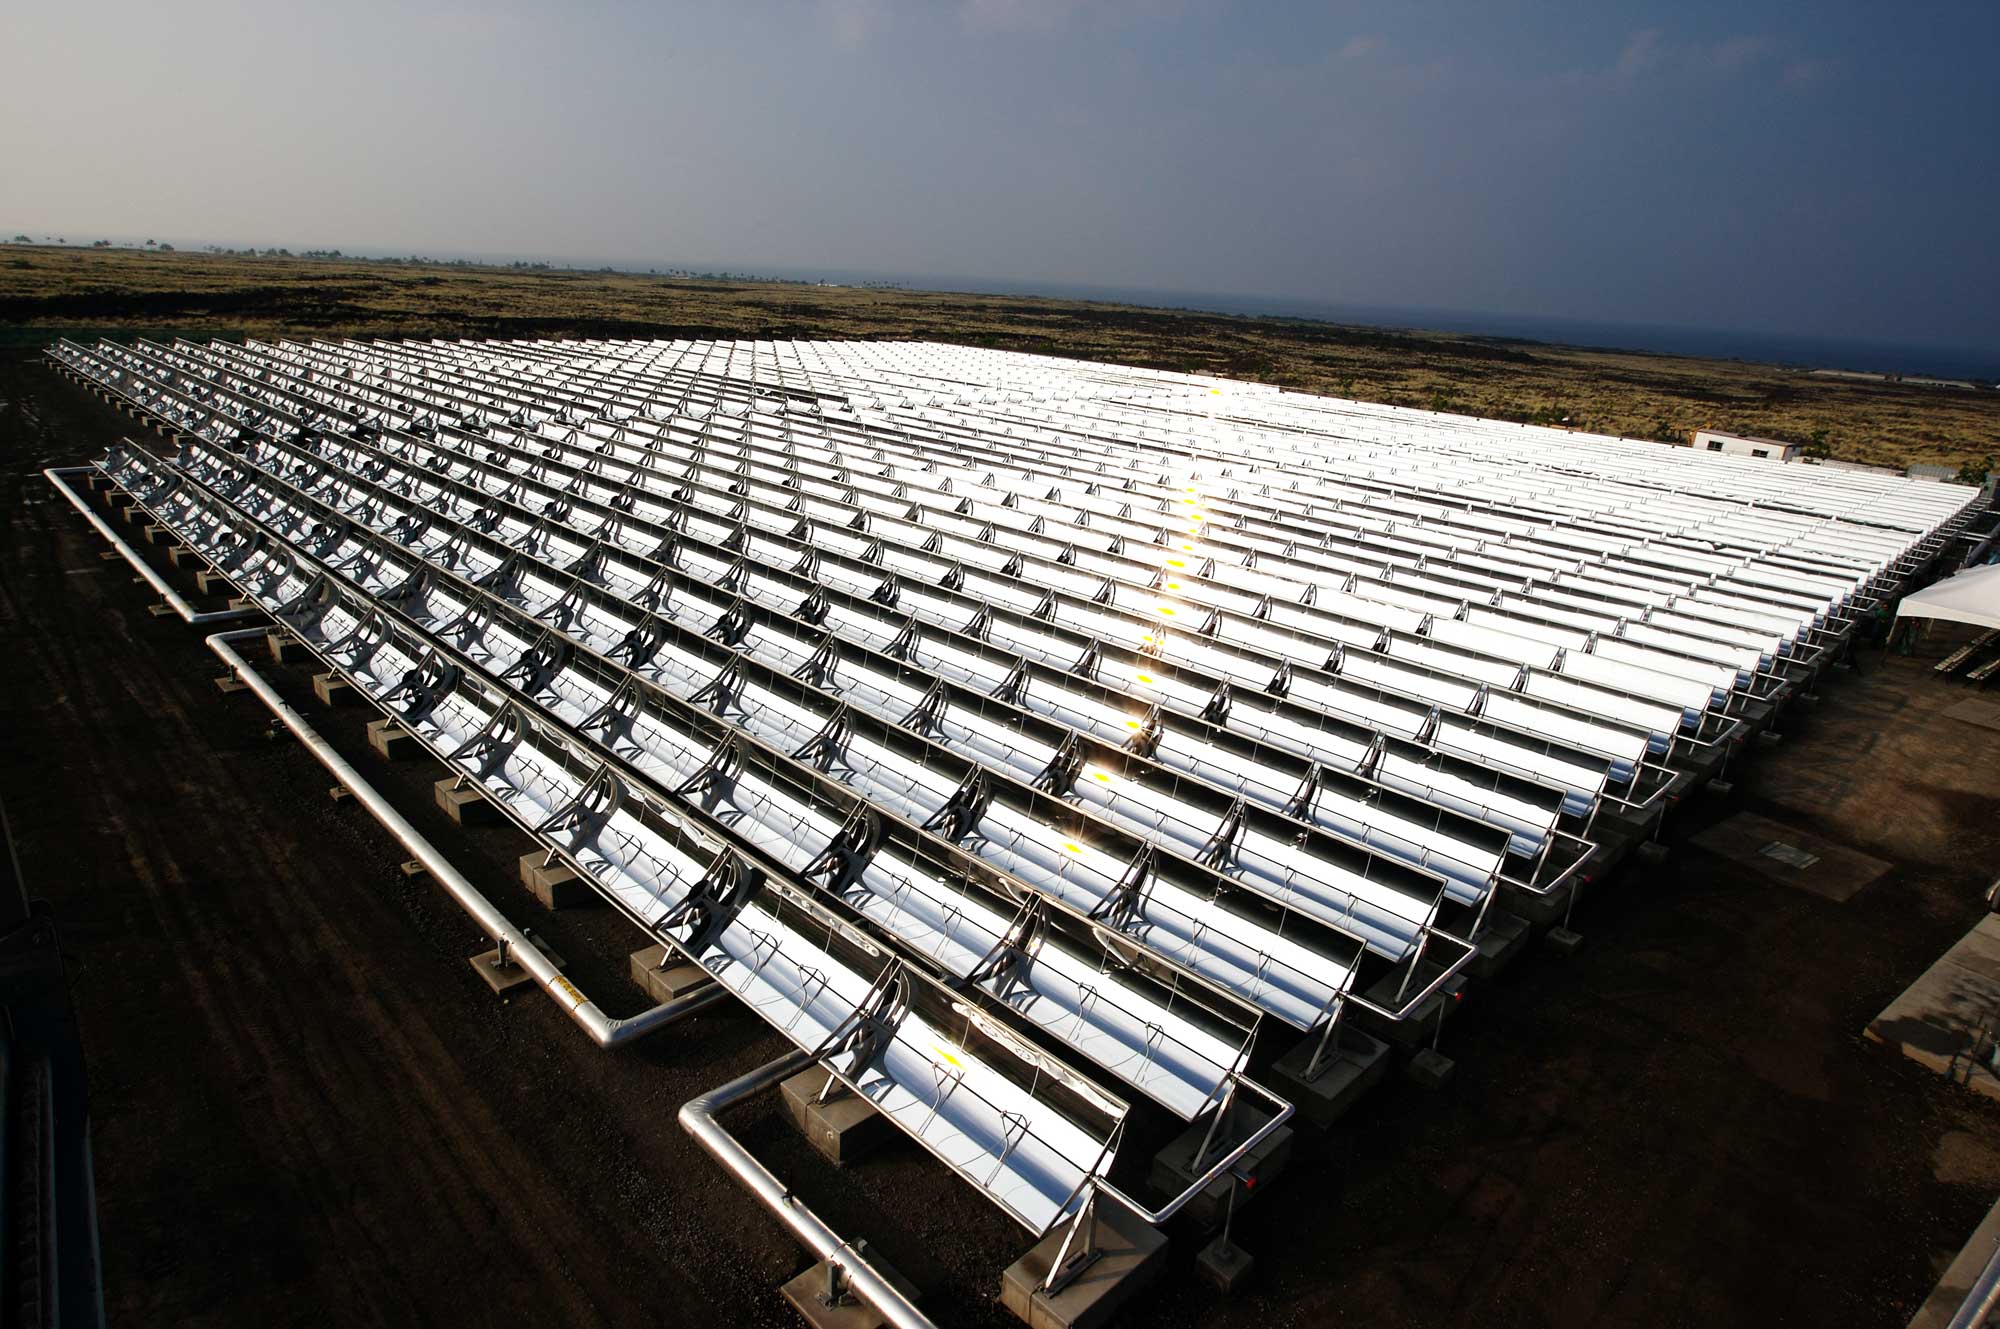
{"x": 1079, "y": 1249}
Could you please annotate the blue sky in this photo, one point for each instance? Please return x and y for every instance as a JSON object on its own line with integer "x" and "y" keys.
{"x": 1824, "y": 169}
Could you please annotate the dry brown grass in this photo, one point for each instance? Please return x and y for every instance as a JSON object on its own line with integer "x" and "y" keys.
{"x": 45, "y": 291}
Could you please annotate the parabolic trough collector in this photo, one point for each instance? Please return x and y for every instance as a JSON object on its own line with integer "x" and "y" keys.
{"x": 1040, "y": 746}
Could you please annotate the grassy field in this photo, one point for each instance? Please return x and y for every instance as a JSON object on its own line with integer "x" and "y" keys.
{"x": 47, "y": 291}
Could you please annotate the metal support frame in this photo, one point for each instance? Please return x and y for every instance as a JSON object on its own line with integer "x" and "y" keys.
{"x": 1072, "y": 1260}
{"x": 1327, "y": 1047}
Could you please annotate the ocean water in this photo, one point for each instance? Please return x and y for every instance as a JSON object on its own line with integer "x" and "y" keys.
{"x": 1981, "y": 364}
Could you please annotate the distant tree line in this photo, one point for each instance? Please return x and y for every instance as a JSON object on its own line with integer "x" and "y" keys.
{"x": 94, "y": 244}
{"x": 518, "y": 265}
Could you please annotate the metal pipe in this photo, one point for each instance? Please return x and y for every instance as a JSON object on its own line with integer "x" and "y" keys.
{"x": 174, "y": 599}
{"x": 698, "y": 1119}
{"x": 604, "y": 1031}
{"x": 1982, "y": 1299}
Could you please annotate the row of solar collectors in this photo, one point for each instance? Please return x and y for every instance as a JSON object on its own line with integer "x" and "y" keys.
{"x": 1628, "y": 514}
{"x": 1295, "y": 492}
{"x": 1254, "y": 407}
{"x": 652, "y": 800}
{"x": 1502, "y": 671}
{"x": 1772, "y": 576}
{"x": 1233, "y": 821}
{"x": 1419, "y": 647}
{"x": 1259, "y": 399}
{"x": 1867, "y": 498}
{"x": 1459, "y": 591}
{"x": 697, "y": 413}
{"x": 880, "y": 374}
{"x": 527, "y": 653}
{"x": 1848, "y": 550}
{"x": 1529, "y": 820}
{"x": 1650, "y": 496}
{"x": 1651, "y": 463}
{"x": 1270, "y": 575}
{"x": 1149, "y": 596}
{"x": 1397, "y": 635}
{"x": 1008, "y": 376}
{"x": 957, "y": 611}
{"x": 730, "y": 598}
{"x": 1366, "y": 894}
{"x": 704, "y": 666}
{"x": 1396, "y": 429}
{"x": 1777, "y": 577}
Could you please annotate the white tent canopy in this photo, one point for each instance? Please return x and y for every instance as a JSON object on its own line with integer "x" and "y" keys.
{"x": 1973, "y": 596}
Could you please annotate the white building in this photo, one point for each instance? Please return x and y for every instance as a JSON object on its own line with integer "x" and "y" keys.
{"x": 1710, "y": 440}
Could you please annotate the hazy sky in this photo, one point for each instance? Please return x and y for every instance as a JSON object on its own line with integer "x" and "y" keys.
{"x": 1825, "y": 167}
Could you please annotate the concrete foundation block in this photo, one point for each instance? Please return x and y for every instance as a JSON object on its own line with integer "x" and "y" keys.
{"x": 159, "y": 535}
{"x": 1356, "y": 1064}
{"x": 465, "y": 805}
{"x": 844, "y": 1129}
{"x": 1223, "y": 1265}
{"x": 1720, "y": 788}
{"x": 555, "y": 885}
{"x": 1130, "y": 1256}
{"x": 1770, "y": 738}
{"x": 1562, "y": 941}
{"x": 663, "y": 977}
{"x": 1539, "y": 910}
{"x": 210, "y": 582}
{"x": 1652, "y": 853}
{"x": 160, "y": 610}
{"x": 182, "y": 556}
{"x": 390, "y": 741}
{"x": 284, "y": 647}
{"x": 1501, "y": 942}
{"x": 332, "y": 689}
{"x": 1697, "y": 765}
{"x": 504, "y": 978}
{"x": 1941, "y": 1021}
{"x": 230, "y": 683}
{"x": 1431, "y": 1069}
{"x": 1637, "y": 827}
{"x": 808, "y": 1294}
{"x": 1173, "y": 1167}
{"x": 1420, "y": 1024}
